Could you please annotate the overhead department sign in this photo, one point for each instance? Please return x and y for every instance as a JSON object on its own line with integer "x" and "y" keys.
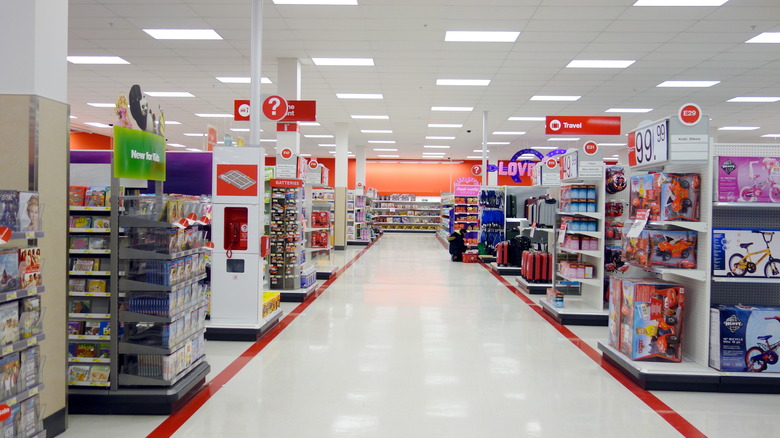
{"x": 138, "y": 154}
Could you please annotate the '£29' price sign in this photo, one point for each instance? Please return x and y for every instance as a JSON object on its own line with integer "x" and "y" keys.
{"x": 649, "y": 145}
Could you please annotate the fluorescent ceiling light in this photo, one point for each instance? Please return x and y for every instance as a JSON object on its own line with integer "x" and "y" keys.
{"x": 481, "y": 36}
{"x": 369, "y": 117}
{"x": 382, "y": 141}
{"x": 327, "y": 145}
{"x": 195, "y": 150}
{"x": 508, "y": 132}
{"x": 101, "y": 105}
{"x": 688, "y": 84}
{"x": 738, "y": 128}
{"x": 308, "y": 123}
{"x": 527, "y": 119}
{"x": 445, "y": 125}
{"x": 172, "y": 122}
{"x": 433, "y": 146}
{"x": 555, "y": 98}
{"x": 317, "y": 2}
{"x": 545, "y": 148}
{"x": 241, "y": 80}
{"x": 628, "y": 110}
{"x": 771, "y": 135}
{"x": 612, "y": 144}
{"x": 215, "y": 115}
{"x": 465, "y": 82}
{"x": 434, "y": 153}
{"x": 388, "y": 156}
{"x": 176, "y": 145}
{"x": 239, "y": 129}
{"x": 436, "y": 137}
{"x": 360, "y": 96}
{"x": 563, "y": 139}
{"x": 680, "y": 2}
{"x": 594, "y": 63}
{"x": 498, "y": 142}
{"x": 479, "y": 150}
{"x": 168, "y": 93}
{"x": 97, "y": 124}
{"x": 73, "y": 117}
{"x": 194, "y": 134}
{"x": 267, "y": 140}
{"x": 474, "y": 157}
{"x": 766, "y": 37}
{"x": 183, "y": 34}
{"x": 386, "y": 150}
{"x": 305, "y": 155}
{"x": 376, "y": 131}
{"x": 452, "y": 108}
{"x": 754, "y": 99}
{"x": 96, "y": 60}
{"x": 318, "y": 136}
{"x": 360, "y": 62}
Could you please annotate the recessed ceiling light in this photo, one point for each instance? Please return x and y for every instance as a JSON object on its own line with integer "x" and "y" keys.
{"x": 508, "y": 132}
{"x": 168, "y": 93}
{"x": 97, "y": 124}
{"x": 465, "y": 82}
{"x": 754, "y": 99}
{"x": 452, "y": 108}
{"x": 215, "y": 115}
{"x": 327, "y": 145}
{"x": 688, "y": 84}
{"x": 96, "y": 60}
{"x": 386, "y": 150}
{"x": 474, "y": 157}
{"x": 680, "y": 2}
{"x": 594, "y": 63}
{"x": 480, "y": 150}
{"x": 766, "y": 37}
{"x": 241, "y": 80}
{"x": 376, "y": 131}
{"x": 305, "y": 155}
{"x": 194, "y": 134}
{"x": 101, "y": 105}
{"x": 183, "y": 34}
{"x": 73, "y": 117}
{"x": 267, "y": 140}
{"x": 308, "y": 123}
{"x": 555, "y": 98}
{"x": 172, "y": 122}
{"x": 318, "y": 136}
{"x": 563, "y": 139}
{"x": 359, "y": 62}
{"x": 317, "y": 2}
{"x": 176, "y": 145}
{"x": 360, "y": 96}
{"x": 527, "y": 119}
{"x": 771, "y": 135}
{"x": 382, "y": 141}
{"x": 616, "y": 156}
{"x": 612, "y": 144}
{"x": 738, "y": 128}
{"x": 445, "y": 125}
{"x": 498, "y": 143}
{"x": 437, "y": 137}
{"x": 544, "y": 148}
{"x": 370, "y": 117}
{"x": 388, "y": 156}
{"x": 433, "y": 146}
{"x": 239, "y": 129}
{"x": 628, "y": 110}
{"x": 195, "y": 150}
{"x": 481, "y": 36}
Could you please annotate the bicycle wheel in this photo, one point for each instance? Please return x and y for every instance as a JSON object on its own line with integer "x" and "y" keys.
{"x": 746, "y": 194}
{"x": 772, "y": 269}
{"x": 754, "y": 360}
{"x": 737, "y": 264}
{"x": 774, "y": 194}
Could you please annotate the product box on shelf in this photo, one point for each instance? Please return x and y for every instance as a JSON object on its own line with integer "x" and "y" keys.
{"x": 320, "y": 219}
{"x": 30, "y": 211}
{"x": 651, "y": 313}
{"x": 745, "y": 253}
{"x": 741, "y": 338}
{"x": 675, "y": 249}
{"x": 645, "y": 193}
{"x": 636, "y": 250}
{"x": 748, "y": 179}
{"x": 613, "y": 324}
{"x": 680, "y": 196}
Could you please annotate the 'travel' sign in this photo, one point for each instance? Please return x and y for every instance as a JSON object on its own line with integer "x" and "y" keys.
{"x": 582, "y": 125}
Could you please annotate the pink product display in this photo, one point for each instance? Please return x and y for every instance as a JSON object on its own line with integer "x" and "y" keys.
{"x": 576, "y": 270}
{"x": 748, "y": 179}
{"x": 581, "y": 243}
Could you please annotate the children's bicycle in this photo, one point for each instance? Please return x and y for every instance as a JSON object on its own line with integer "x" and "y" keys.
{"x": 770, "y": 185}
{"x": 739, "y": 264}
{"x": 758, "y": 358}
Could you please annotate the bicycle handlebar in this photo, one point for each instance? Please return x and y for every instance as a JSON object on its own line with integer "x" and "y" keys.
{"x": 777, "y": 318}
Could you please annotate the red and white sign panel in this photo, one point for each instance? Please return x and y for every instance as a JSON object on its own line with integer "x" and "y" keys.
{"x": 237, "y": 179}
{"x": 211, "y": 138}
{"x": 274, "y": 107}
{"x": 552, "y": 163}
{"x": 313, "y": 163}
{"x": 286, "y": 183}
{"x": 5, "y": 412}
{"x": 301, "y": 111}
{"x": 286, "y": 153}
{"x": 5, "y": 235}
{"x": 287, "y": 127}
{"x": 689, "y": 114}
{"x": 590, "y": 148}
{"x": 649, "y": 145}
{"x": 582, "y": 125}
{"x": 476, "y": 170}
{"x": 241, "y": 110}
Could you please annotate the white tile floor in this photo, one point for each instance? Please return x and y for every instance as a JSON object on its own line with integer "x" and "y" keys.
{"x": 408, "y": 344}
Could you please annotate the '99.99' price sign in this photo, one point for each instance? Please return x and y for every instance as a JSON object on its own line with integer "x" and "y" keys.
{"x": 649, "y": 145}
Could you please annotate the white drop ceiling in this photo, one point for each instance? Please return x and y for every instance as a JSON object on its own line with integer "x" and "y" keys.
{"x": 406, "y": 40}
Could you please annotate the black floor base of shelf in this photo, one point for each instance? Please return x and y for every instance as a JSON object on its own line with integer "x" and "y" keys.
{"x": 358, "y": 242}
{"x": 505, "y": 270}
{"x": 240, "y": 334}
{"x": 407, "y": 231}
{"x": 297, "y": 296}
{"x": 569, "y": 318}
{"x": 138, "y": 401}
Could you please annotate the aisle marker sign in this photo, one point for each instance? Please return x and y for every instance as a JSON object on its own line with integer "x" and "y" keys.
{"x": 274, "y": 107}
{"x": 582, "y": 125}
{"x": 590, "y": 148}
{"x": 649, "y": 145}
{"x": 689, "y": 114}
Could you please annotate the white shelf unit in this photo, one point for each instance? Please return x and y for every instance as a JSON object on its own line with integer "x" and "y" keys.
{"x": 447, "y": 205}
{"x": 359, "y": 211}
{"x": 399, "y": 215}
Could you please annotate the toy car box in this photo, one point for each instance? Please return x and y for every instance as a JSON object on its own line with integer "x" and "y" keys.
{"x": 748, "y": 179}
{"x": 740, "y": 335}
{"x": 645, "y": 193}
{"x": 636, "y": 250}
{"x": 651, "y": 320}
{"x": 680, "y": 196}
{"x": 730, "y": 249}
{"x": 676, "y": 249}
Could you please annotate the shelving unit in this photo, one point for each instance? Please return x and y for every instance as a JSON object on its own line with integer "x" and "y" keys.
{"x": 447, "y": 215}
{"x": 320, "y": 235}
{"x": 358, "y": 225}
{"x": 397, "y": 215}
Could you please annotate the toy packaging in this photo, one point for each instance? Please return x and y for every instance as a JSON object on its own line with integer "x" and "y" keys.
{"x": 748, "y": 179}
{"x": 320, "y": 219}
{"x": 676, "y": 249}
{"x": 680, "y": 196}
{"x": 76, "y": 195}
{"x": 651, "y": 317}
{"x": 741, "y": 338}
{"x": 745, "y": 253}
{"x": 636, "y": 250}
{"x": 645, "y": 193}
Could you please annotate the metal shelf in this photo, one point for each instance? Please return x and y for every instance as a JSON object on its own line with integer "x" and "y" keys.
{"x": 127, "y": 316}
{"x": 93, "y": 384}
{"x": 24, "y": 395}
{"x": 89, "y": 359}
{"x": 89, "y": 251}
{"x": 745, "y": 205}
{"x": 133, "y": 380}
{"x": 89, "y": 294}
{"x": 89, "y": 337}
{"x": 126, "y": 347}
{"x": 745, "y": 280}
{"x": 21, "y": 293}
{"x": 90, "y": 273}
{"x": 88, "y": 230}
{"x": 585, "y": 253}
{"x": 590, "y": 281}
{"x": 592, "y": 214}
{"x": 89, "y": 315}
{"x": 85, "y": 208}
{"x": 142, "y": 254}
{"x": 22, "y": 344}
{"x": 126, "y": 284}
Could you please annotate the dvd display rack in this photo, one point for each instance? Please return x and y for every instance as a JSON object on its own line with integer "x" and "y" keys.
{"x": 320, "y": 231}
{"x": 286, "y": 231}
{"x": 358, "y": 213}
{"x": 21, "y": 326}
{"x": 447, "y": 207}
{"x": 407, "y": 213}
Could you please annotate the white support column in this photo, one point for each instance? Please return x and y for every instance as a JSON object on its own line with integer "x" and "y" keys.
{"x": 255, "y": 95}
{"x": 340, "y": 187}
{"x": 360, "y": 166}
{"x": 289, "y": 77}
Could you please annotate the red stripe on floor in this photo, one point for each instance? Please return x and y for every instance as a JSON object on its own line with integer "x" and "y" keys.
{"x": 178, "y": 418}
{"x": 673, "y": 418}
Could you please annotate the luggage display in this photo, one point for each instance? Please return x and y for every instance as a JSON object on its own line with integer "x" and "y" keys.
{"x": 541, "y": 211}
{"x": 502, "y": 250}
{"x": 536, "y": 266}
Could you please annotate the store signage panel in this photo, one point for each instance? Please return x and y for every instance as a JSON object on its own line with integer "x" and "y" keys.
{"x": 237, "y": 179}
{"x": 138, "y": 154}
{"x": 301, "y": 111}
{"x": 569, "y": 165}
{"x": 591, "y": 164}
{"x": 649, "y": 145}
{"x": 297, "y": 110}
{"x": 274, "y": 107}
{"x": 468, "y": 191}
{"x": 280, "y": 182}
{"x": 467, "y": 181}
{"x": 241, "y": 110}
{"x": 582, "y": 125}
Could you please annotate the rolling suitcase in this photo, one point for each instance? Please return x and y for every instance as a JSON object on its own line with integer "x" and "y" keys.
{"x": 547, "y": 209}
{"x": 501, "y": 253}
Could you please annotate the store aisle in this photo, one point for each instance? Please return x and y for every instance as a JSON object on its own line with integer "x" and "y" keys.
{"x": 406, "y": 343}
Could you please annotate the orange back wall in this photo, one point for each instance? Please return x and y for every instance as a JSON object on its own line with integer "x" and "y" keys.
{"x": 83, "y": 140}
{"x": 422, "y": 179}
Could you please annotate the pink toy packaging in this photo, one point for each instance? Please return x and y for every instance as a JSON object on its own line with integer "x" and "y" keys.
{"x": 748, "y": 179}
{"x": 651, "y": 320}
{"x": 680, "y": 196}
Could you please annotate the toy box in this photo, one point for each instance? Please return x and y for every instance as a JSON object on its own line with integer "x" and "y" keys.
{"x": 651, "y": 314}
{"x": 741, "y": 338}
{"x": 748, "y": 179}
{"x": 320, "y": 219}
{"x": 743, "y": 253}
{"x": 675, "y": 249}
{"x": 645, "y": 193}
{"x": 680, "y": 196}
{"x": 613, "y": 324}
{"x": 636, "y": 250}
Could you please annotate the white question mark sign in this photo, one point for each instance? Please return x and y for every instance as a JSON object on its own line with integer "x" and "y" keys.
{"x": 275, "y": 102}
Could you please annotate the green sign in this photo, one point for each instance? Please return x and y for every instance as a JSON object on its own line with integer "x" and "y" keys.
{"x": 138, "y": 154}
